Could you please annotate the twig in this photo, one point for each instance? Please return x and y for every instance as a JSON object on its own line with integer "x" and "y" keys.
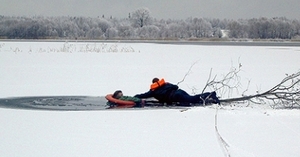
{"x": 208, "y": 80}
{"x": 186, "y": 74}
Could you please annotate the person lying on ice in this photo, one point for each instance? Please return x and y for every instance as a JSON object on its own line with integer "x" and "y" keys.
{"x": 168, "y": 93}
{"x": 119, "y": 95}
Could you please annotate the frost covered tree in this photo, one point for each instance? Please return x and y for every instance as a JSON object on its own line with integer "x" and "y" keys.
{"x": 111, "y": 33}
{"x": 148, "y": 32}
{"x": 141, "y": 17}
{"x": 95, "y": 33}
{"x": 199, "y": 28}
{"x": 140, "y": 25}
{"x": 237, "y": 30}
{"x": 103, "y": 24}
{"x": 264, "y": 28}
{"x": 126, "y": 31}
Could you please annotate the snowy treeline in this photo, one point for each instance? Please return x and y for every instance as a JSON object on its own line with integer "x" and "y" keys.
{"x": 140, "y": 25}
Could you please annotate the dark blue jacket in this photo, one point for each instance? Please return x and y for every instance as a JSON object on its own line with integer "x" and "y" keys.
{"x": 162, "y": 93}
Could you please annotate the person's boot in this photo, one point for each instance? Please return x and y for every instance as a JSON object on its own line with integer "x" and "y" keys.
{"x": 215, "y": 98}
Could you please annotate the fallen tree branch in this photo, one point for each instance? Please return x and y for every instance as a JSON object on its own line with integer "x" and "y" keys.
{"x": 227, "y": 84}
{"x": 286, "y": 93}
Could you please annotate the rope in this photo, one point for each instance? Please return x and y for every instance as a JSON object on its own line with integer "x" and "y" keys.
{"x": 223, "y": 144}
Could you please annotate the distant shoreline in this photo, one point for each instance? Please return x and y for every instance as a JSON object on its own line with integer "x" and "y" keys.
{"x": 178, "y": 42}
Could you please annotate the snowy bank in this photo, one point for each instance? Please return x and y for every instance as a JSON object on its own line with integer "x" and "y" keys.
{"x": 248, "y": 132}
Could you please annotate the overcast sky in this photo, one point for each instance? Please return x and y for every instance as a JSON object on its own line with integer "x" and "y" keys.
{"x": 160, "y": 9}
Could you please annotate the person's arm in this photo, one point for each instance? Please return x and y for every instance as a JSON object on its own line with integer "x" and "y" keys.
{"x": 130, "y": 98}
{"x": 109, "y": 103}
{"x": 148, "y": 94}
{"x": 172, "y": 86}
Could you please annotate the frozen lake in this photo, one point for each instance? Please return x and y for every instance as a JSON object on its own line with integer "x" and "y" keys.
{"x": 99, "y": 68}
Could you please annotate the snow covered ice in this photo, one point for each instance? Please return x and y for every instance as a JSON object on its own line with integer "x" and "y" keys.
{"x": 96, "y": 69}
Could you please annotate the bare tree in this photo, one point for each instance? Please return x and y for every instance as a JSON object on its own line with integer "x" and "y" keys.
{"x": 141, "y": 17}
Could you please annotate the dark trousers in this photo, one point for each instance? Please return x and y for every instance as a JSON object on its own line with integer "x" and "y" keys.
{"x": 185, "y": 99}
